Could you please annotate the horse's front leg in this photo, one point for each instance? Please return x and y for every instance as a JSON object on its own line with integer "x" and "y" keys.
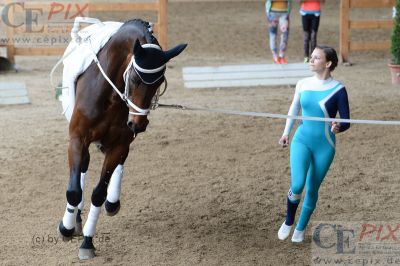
{"x": 78, "y": 218}
{"x": 112, "y": 204}
{"x": 113, "y": 157}
{"x": 79, "y": 158}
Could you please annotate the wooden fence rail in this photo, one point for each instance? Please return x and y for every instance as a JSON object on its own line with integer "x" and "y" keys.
{"x": 346, "y": 24}
{"x": 160, "y": 27}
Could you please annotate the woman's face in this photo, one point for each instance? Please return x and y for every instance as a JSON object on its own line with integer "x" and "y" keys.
{"x": 318, "y": 61}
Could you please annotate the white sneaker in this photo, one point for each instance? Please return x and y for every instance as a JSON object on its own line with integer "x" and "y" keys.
{"x": 298, "y": 236}
{"x": 284, "y": 231}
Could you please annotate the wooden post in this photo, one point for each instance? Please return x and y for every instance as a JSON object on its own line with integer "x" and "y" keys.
{"x": 162, "y": 23}
{"x": 344, "y": 44}
{"x": 347, "y": 24}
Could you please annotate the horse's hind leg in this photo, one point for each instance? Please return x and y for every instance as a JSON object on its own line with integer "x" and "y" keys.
{"x": 79, "y": 158}
{"x": 113, "y": 158}
{"x": 112, "y": 204}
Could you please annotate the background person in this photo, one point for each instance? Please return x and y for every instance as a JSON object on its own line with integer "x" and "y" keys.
{"x": 278, "y": 12}
{"x": 310, "y": 11}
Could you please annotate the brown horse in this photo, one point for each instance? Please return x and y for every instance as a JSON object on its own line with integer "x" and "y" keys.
{"x": 111, "y": 117}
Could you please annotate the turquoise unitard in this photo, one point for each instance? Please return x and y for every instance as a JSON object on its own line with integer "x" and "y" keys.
{"x": 313, "y": 145}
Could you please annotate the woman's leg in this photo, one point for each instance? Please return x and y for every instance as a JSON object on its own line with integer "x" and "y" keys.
{"x": 300, "y": 157}
{"x": 320, "y": 164}
{"x": 284, "y": 28}
{"x": 306, "y": 22}
{"x": 273, "y": 31}
{"x": 314, "y": 30}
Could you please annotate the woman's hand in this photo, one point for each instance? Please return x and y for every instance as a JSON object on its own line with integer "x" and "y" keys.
{"x": 335, "y": 127}
{"x": 284, "y": 141}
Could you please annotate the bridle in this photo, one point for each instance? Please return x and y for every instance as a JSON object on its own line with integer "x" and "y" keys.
{"x": 126, "y": 76}
{"x": 133, "y": 65}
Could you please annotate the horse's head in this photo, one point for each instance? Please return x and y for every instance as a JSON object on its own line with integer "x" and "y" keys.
{"x": 147, "y": 71}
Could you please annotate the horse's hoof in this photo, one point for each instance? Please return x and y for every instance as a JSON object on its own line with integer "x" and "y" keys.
{"x": 78, "y": 229}
{"x": 112, "y": 208}
{"x": 64, "y": 233}
{"x": 86, "y": 250}
{"x": 86, "y": 254}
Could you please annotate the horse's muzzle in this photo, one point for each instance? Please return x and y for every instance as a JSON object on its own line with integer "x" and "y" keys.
{"x": 136, "y": 129}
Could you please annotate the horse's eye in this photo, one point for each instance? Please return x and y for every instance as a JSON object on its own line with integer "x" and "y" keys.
{"x": 135, "y": 78}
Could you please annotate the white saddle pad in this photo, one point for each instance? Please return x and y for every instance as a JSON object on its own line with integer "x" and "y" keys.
{"x": 94, "y": 38}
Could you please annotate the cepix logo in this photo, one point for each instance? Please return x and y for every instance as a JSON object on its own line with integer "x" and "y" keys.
{"x": 359, "y": 243}
{"x": 40, "y": 23}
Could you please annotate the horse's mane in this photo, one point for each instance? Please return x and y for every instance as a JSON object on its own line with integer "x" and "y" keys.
{"x": 145, "y": 27}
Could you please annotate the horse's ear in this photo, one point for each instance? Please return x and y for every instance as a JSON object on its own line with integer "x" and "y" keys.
{"x": 137, "y": 48}
{"x": 175, "y": 51}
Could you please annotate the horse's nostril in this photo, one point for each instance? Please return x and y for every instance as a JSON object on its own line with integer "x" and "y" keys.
{"x": 130, "y": 124}
{"x": 135, "y": 128}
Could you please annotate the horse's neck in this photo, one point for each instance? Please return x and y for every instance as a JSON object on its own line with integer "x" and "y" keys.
{"x": 114, "y": 63}
{"x": 114, "y": 59}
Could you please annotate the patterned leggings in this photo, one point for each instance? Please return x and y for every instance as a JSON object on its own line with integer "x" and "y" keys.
{"x": 275, "y": 20}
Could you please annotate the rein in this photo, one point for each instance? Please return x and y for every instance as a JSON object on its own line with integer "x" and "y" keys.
{"x": 271, "y": 115}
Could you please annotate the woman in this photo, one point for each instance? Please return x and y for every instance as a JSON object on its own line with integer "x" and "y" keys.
{"x": 313, "y": 146}
{"x": 278, "y": 12}
{"x": 310, "y": 11}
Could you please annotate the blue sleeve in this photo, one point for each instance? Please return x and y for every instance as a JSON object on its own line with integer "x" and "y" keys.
{"x": 343, "y": 108}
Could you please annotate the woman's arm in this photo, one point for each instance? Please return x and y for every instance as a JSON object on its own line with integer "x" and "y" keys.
{"x": 293, "y": 110}
{"x": 344, "y": 109}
